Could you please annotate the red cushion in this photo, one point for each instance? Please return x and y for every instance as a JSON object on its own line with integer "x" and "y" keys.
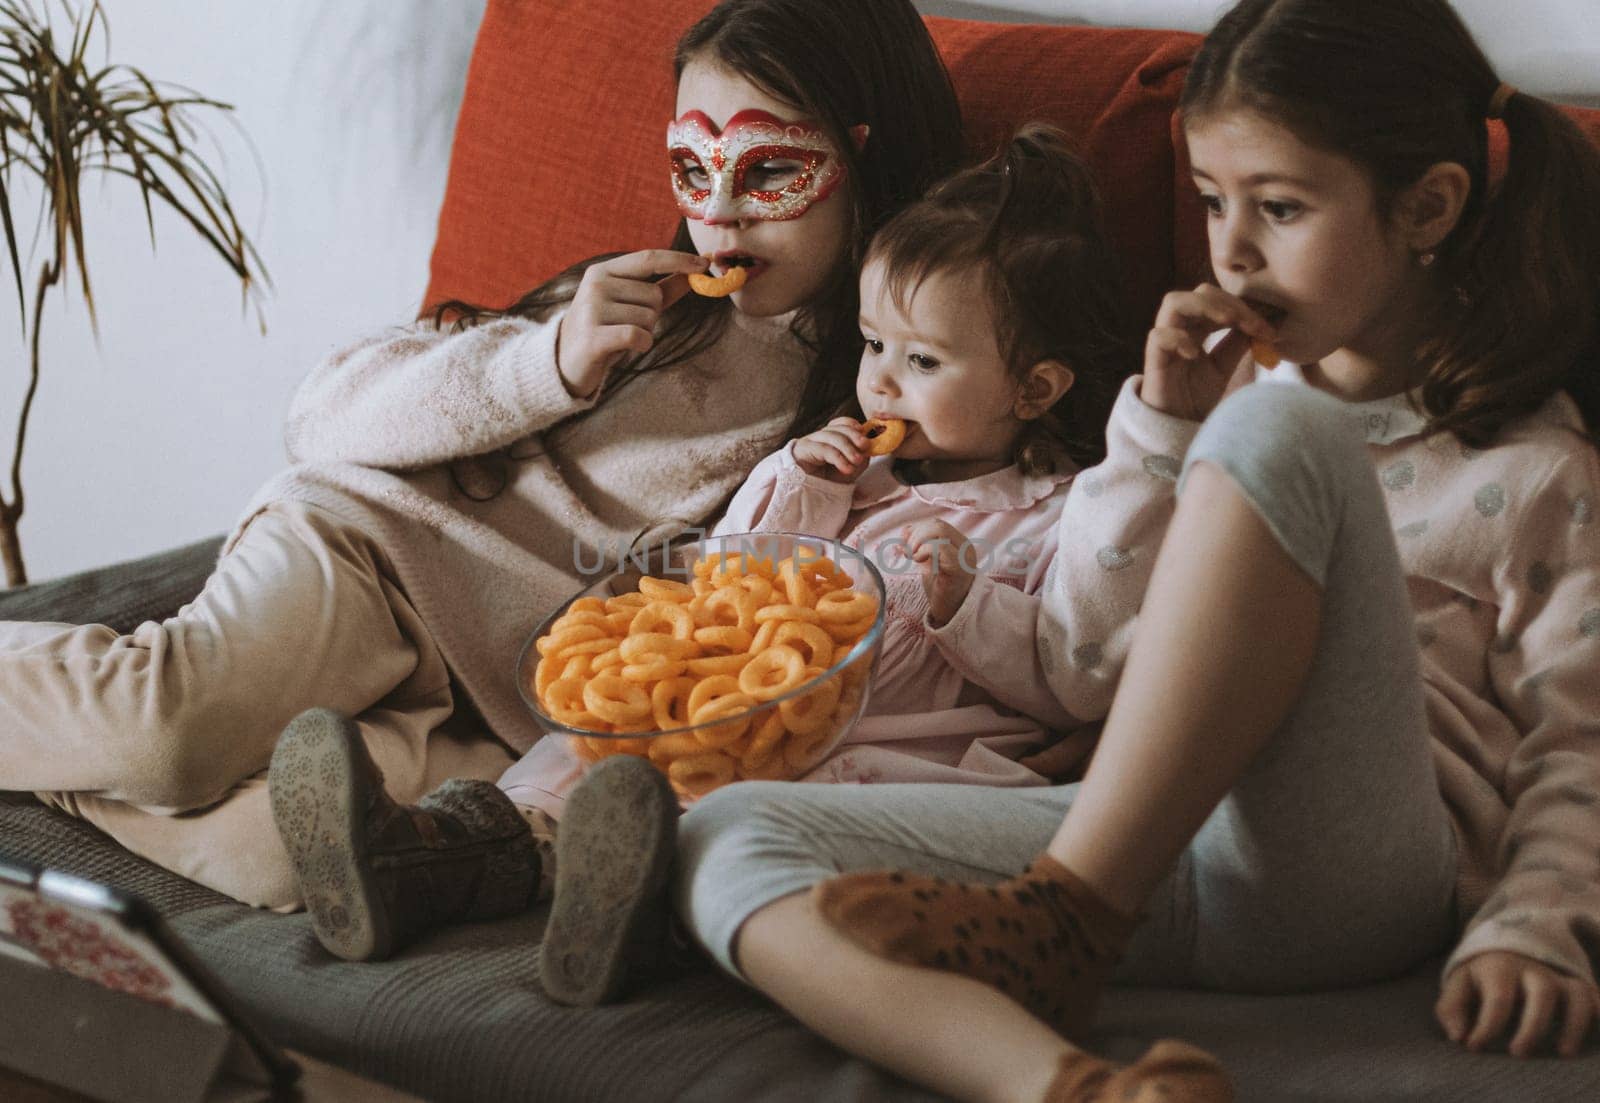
{"x": 554, "y": 84}
{"x": 1113, "y": 90}
{"x": 560, "y": 146}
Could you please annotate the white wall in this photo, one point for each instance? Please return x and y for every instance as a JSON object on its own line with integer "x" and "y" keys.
{"x": 1548, "y": 47}
{"x": 159, "y": 434}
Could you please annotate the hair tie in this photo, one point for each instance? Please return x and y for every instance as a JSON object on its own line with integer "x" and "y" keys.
{"x": 1497, "y": 102}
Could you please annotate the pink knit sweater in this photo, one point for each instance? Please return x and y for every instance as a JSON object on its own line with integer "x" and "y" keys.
{"x": 464, "y": 456}
{"x": 1501, "y": 551}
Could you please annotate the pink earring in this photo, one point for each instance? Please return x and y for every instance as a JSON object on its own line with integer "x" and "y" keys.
{"x": 1426, "y": 259}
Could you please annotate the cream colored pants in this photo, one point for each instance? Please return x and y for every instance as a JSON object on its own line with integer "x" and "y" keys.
{"x": 161, "y": 738}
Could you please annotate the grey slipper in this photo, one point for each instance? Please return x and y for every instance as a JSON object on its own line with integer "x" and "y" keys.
{"x": 322, "y": 783}
{"x": 376, "y": 875}
{"x": 608, "y": 918}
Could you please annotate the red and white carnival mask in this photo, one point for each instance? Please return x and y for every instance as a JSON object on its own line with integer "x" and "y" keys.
{"x": 716, "y": 175}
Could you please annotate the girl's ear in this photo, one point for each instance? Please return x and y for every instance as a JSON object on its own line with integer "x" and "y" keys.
{"x": 1429, "y": 209}
{"x": 1042, "y": 387}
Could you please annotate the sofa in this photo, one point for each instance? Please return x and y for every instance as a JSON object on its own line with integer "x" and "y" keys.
{"x": 460, "y": 1017}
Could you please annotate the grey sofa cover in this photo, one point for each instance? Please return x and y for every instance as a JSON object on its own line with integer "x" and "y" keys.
{"x": 460, "y": 1016}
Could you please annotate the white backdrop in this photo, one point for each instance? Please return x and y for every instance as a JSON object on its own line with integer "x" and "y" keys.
{"x": 159, "y": 433}
{"x": 1549, "y": 47}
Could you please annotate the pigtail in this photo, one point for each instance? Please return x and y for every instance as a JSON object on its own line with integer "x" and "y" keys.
{"x": 1048, "y": 240}
{"x": 1522, "y": 285}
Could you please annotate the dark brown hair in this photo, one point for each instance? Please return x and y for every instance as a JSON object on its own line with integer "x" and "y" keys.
{"x": 1026, "y": 226}
{"x": 1397, "y": 86}
{"x": 842, "y": 63}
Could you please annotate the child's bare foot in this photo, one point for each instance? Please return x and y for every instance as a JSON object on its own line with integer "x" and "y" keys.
{"x": 1044, "y": 938}
{"x": 1169, "y": 1072}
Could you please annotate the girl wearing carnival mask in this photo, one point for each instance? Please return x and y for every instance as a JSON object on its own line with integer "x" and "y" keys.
{"x": 446, "y": 475}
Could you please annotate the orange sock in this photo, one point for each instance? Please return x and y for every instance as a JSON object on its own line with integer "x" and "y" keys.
{"x": 1044, "y": 938}
{"x": 1169, "y": 1072}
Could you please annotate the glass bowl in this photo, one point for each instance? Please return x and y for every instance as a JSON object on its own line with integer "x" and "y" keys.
{"x": 740, "y": 684}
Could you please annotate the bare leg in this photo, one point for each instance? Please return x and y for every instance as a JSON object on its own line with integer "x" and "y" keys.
{"x": 917, "y": 1022}
{"x": 1202, "y": 692}
{"x": 922, "y": 1023}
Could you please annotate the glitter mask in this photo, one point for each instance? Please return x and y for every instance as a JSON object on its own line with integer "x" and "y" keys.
{"x": 751, "y": 137}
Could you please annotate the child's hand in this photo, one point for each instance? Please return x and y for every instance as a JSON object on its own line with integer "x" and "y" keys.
{"x": 836, "y": 452}
{"x": 1180, "y": 377}
{"x": 615, "y": 312}
{"x": 939, "y": 549}
{"x": 1498, "y": 983}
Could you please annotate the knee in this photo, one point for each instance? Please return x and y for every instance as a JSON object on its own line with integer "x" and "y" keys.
{"x": 738, "y": 823}
{"x": 174, "y": 765}
{"x": 720, "y": 822}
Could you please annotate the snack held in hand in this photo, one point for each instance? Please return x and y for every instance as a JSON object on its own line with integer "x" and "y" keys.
{"x": 717, "y": 287}
{"x": 1264, "y": 352}
{"x": 697, "y": 660}
{"x": 884, "y": 435}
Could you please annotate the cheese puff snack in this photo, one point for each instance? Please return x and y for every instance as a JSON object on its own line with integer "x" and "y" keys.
{"x": 717, "y": 679}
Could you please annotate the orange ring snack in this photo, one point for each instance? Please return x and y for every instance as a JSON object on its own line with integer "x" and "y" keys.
{"x": 614, "y": 699}
{"x": 842, "y": 606}
{"x": 1264, "y": 352}
{"x": 678, "y": 672}
{"x": 701, "y": 773}
{"x": 727, "y": 639}
{"x": 718, "y": 287}
{"x": 669, "y": 702}
{"x": 763, "y": 741}
{"x": 773, "y": 673}
{"x": 714, "y": 736}
{"x": 665, "y": 589}
{"x": 810, "y": 713}
{"x": 663, "y": 616}
{"x": 712, "y": 665}
{"x": 884, "y": 435}
{"x": 817, "y": 643}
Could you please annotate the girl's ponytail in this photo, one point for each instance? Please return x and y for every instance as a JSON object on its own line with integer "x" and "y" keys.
{"x": 1523, "y": 283}
{"x": 1050, "y": 250}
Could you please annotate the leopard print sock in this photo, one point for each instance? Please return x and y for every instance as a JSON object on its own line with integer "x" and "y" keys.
{"x": 1169, "y": 1072}
{"x": 1044, "y": 937}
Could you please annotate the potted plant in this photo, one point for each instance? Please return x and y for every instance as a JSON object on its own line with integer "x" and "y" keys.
{"x": 61, "y": 122}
